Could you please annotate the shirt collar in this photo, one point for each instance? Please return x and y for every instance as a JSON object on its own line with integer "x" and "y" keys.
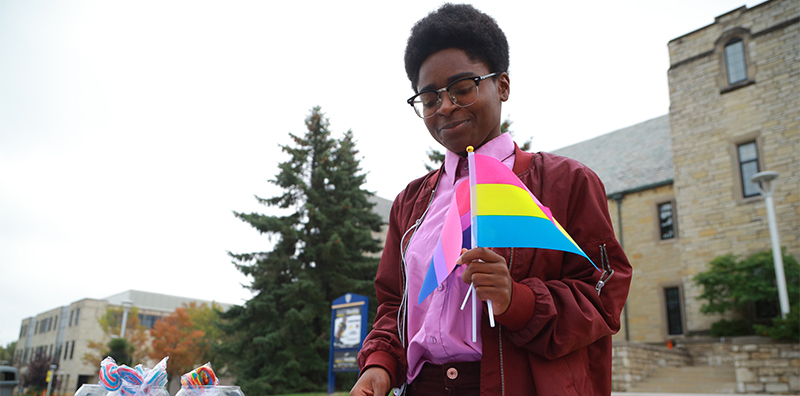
{"x": 500, "y": 148}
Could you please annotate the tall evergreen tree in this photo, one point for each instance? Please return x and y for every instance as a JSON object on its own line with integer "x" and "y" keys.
{"x": 278, "y": 341}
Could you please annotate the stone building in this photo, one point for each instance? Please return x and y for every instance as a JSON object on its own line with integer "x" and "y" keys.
{"x": 635, "y": 164}
{"x": 64, "y": 333}
{"x": 679, "y": 187}
{"x": 734, "y": 111}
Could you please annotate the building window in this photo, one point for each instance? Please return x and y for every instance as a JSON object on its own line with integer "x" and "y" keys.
{"x": 72, "y": 350}
{"x": 736, "y": 70}
{"x": 70, "y": 317}
{"x": 674, "y": 316}
{"x": 666, "y": 219}
{"x": 734, "y": 59}
{"x": 148, "y": 321}
{"x": 748, "y": 166}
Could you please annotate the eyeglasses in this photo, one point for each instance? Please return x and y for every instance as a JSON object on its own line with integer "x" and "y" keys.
{"x": 462, "y": 92}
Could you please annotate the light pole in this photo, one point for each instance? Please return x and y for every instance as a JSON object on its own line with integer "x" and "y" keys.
{"x": 763, "y": 180}
{"x": 126, "y": 306}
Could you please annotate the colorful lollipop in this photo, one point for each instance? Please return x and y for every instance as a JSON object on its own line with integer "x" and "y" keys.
{"x": 201, "y": 376}
{"x": 158, "y": 375}
{"x": 109, "y": 375}
{"x": 126, "y": 381}
{"x": 129, "y": 375}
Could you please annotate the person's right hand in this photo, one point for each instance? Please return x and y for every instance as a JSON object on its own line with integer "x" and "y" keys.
{"x": 374, "y": 382}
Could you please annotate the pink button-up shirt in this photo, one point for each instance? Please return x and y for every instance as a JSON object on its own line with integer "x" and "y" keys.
{"x": 439, "y": 331}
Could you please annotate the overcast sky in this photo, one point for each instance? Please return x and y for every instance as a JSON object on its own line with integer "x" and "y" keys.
{"x": 130, "y": 130}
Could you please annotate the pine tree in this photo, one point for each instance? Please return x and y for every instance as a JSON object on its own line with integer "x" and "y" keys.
{"x": 278, "y": 341}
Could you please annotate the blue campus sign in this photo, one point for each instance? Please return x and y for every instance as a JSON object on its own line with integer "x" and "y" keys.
{"x": 348, "y": 330}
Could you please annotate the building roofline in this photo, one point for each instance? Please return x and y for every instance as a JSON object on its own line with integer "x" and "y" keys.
{"x": 716, "y": 19}
{"x": 620, "y": 194}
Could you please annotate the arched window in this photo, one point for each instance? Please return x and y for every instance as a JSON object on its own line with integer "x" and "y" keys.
{"x": 734, "y": 58}
{"x": 735, "y": 68}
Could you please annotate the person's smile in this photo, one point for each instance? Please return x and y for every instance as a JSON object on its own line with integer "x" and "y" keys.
{"x": 453, "y": 126}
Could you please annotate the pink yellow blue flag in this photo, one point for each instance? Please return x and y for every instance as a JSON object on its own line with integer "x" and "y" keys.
{"x": 506, "y": 214}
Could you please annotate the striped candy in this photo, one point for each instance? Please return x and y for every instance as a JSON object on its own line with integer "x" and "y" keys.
{"x": 109, "y": 374}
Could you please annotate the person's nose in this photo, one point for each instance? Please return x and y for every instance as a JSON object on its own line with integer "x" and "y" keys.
{"x": 448, "y": 107}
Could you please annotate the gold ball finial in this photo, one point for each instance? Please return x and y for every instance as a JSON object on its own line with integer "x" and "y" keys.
{"x": 470, "y": 149}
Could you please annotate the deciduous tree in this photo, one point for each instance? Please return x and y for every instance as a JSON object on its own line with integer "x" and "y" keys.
{"x": 35, "y": 376}
{"x": 110, "y": 323}
{"x": 177, "y": 336}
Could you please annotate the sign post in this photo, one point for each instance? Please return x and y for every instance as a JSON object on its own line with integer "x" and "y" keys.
{"x": 349, "y": 315}
{"x": 50, "y": 373}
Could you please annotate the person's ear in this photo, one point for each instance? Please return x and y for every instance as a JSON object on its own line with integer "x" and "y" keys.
{"x": 503, "y": 86}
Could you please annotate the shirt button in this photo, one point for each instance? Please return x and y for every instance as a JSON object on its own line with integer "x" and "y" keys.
{"x": 452, "y": 373}
{"x": 433, "y": 340}
{"x": 440, "y": 288}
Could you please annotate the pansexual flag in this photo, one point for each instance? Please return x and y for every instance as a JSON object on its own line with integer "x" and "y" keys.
{"x": 507, "y": 214}
{"x": 455, "y": 235}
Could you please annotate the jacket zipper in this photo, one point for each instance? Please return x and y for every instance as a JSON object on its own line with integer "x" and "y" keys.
{"x": 403, "y": 305}
{"x": 607, "y": 273}
{"x": 500, "y": 338}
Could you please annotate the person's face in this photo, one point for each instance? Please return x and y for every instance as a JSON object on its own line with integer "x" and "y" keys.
{"x": 455, "y": 127}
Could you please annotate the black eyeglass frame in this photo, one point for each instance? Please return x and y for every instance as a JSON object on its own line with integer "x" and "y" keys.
{"x": 439, "y": 91}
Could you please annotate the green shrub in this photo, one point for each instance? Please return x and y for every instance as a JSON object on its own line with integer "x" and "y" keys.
{"x": 738, "y": 286}
{"x": 782, "y": 329}
{"x": 731, "y": 328}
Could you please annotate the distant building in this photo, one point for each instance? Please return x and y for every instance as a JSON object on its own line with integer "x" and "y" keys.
{"x": 382, "y": 208}
{"x": 679, "y": 187}
{"x": 64, "y": 332}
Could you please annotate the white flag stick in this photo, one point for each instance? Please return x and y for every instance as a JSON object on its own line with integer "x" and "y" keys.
{"x": 474, "y": 316}
{"x": 466, "y": 297}
{"x": 473, "y": 207}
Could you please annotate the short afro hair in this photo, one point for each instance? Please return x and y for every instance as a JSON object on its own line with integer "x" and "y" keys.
{"x": 456, "y": 26}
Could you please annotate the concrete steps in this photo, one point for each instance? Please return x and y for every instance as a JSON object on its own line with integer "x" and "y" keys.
{"x": 689, "y": 379}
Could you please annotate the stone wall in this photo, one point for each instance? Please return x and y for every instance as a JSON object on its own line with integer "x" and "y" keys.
{"x": 633, "y": 362}
{"x": 653, "y": 260}
{"x": 762, "y": 365}
{"x": 654, "y": 263}
{"x": 767, "y": 368}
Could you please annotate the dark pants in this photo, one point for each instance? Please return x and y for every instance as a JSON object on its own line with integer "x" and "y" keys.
{"x": 461, "y": 379}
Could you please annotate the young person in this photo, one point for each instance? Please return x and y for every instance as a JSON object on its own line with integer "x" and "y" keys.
{"x": 554, "y": 319}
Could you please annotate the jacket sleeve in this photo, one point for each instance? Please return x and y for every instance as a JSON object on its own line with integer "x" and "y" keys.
{"x": 382, "y": 346}
{"x": 555, "y": 308}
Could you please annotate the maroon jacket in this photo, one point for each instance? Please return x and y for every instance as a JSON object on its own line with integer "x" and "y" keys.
{"x": 555, "y": 337}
